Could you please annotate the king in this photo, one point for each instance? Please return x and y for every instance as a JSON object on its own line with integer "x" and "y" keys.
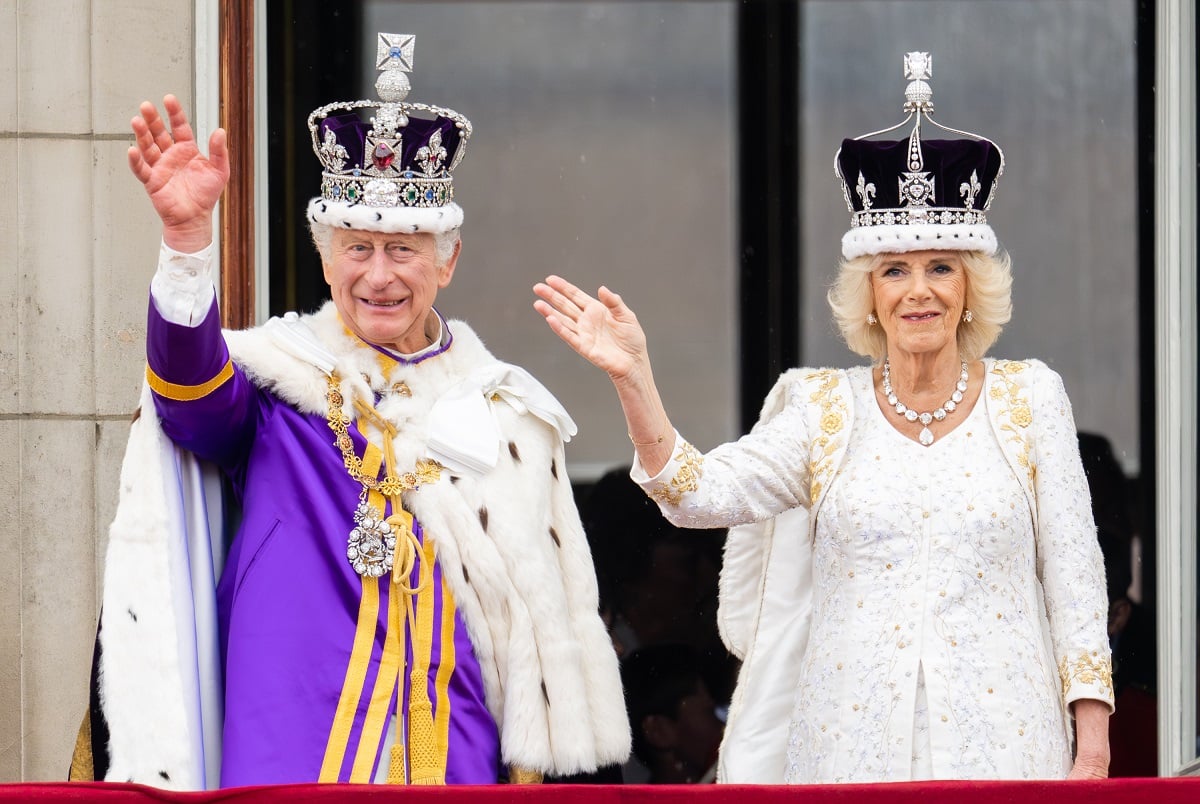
{"x": 407, "y": 595}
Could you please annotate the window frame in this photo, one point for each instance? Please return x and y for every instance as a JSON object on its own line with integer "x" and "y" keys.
{"x": 228, "y": 44}
{"x": 1175, "y": 327}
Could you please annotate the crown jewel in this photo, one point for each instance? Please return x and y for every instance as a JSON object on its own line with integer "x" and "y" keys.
{"x": 943, "y": 187}
{"x": 396, "y": 162}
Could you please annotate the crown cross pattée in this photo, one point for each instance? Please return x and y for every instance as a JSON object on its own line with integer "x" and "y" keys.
{"x": 395, "y": 52}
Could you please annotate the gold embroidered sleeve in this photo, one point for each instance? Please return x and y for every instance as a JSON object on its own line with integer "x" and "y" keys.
{"x": 685, "y": 479}
{"x": 1087, "y": 676}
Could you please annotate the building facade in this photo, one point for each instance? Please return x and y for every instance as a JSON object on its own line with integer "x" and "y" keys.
{"x": 613, "y": 139}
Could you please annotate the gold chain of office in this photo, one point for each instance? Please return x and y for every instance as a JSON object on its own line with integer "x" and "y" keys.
{"x": 391, "y": 485}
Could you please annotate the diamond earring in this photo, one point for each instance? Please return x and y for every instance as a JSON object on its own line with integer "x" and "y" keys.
{"x": 968, "y": 317}
{"x": 871, "y": 319}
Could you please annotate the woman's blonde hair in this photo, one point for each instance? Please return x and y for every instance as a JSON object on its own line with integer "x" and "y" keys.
{"x": 989, "y": 298}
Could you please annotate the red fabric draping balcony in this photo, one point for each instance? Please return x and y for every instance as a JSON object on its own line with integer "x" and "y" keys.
{"x": 1112, "y": 791}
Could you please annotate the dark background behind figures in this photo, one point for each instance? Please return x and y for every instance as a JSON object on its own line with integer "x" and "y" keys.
{"x": 658, "y": 593}
{"x": 1131, "y": 629}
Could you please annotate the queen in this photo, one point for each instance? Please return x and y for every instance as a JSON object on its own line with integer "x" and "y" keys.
{"x": 913, "y": 580}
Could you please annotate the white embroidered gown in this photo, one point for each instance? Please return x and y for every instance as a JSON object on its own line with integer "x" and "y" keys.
{"x": 948, "y": 631}
{"x": 924, "y": 563}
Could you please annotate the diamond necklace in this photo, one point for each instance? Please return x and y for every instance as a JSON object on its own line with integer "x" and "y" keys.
{"x": 926, "y": 436}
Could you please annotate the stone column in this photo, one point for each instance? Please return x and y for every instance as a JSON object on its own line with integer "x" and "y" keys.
{"x": 79, "y": 247}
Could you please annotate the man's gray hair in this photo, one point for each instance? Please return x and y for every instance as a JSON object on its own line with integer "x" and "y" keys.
{"x": 444, "y": 242}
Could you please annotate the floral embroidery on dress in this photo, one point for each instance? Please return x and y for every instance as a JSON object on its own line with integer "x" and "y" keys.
{"x": 832, "y": 419}
{"x": 1018, "y": 413}
{"x": 1087, "y": 669}
{"x": 685, "y": 480}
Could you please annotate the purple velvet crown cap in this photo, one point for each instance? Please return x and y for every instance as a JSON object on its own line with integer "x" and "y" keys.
{"x": 351, "y": 132}
{"x": 950, "y": 163}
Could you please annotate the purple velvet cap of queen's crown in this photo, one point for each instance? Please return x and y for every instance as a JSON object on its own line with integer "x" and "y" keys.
{"x": 917, "y": 194}
{"x": 386, "y": 169}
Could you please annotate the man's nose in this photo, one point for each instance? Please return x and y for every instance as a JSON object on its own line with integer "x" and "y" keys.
{"x": 379, "y": 272}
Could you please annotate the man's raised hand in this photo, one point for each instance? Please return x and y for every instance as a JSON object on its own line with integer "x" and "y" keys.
{"x": 182, "y": 183}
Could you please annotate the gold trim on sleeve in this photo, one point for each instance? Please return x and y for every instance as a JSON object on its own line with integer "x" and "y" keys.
{"x": 1087, "y": 669}
{"x": 188, "y": 393}
{"x": 685, "y": 480}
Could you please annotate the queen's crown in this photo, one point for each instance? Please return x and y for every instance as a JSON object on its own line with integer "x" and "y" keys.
{"x": 916, "y": 192}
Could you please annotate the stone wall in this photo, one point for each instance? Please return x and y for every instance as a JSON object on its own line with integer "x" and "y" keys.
{"x": 80, "y": 243}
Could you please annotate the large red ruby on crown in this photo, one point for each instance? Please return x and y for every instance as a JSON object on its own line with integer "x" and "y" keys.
{"x": 382, "y": 156}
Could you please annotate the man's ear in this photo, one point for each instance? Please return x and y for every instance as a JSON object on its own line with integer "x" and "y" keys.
{"x": 446, "y": 271}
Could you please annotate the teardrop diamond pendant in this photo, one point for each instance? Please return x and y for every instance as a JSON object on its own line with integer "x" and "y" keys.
{"x": 926, "y": 437}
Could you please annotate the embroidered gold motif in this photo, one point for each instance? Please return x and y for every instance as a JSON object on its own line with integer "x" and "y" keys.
{"x": 1087, "y": 669}
{"x": 832, "y": 421}
{"x": 685, "y": 480}
{"x": 1017, "y": 416}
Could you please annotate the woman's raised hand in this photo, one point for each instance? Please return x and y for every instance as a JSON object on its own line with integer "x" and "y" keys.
{"x": 182, "y": 183}
{"x": 607, "y": 333}
{"x": 603, "y": 330}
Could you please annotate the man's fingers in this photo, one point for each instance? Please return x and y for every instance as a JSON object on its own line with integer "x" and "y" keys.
{"x": 181, "y": 129}
{"x": 138, "y": 165}
{"x": 218, "y": 150}
{"x": 154, "y": 124}
{"x": 144, "y": 140}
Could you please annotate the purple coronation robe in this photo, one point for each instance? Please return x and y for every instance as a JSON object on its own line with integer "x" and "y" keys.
{"x": 304, "y": 696}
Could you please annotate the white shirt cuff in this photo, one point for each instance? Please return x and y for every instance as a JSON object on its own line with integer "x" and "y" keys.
{"x": 638, "y": 474}
{"x": 182, "y": 288}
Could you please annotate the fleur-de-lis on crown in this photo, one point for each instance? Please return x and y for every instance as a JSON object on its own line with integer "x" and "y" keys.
{"x": 866, "y": 191}
{"x": 430, "y": 156}
{"x": 333, "y": 155}
{"x": 969, "y": 189}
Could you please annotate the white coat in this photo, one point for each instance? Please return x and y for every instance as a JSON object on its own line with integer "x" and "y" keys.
{"x": 769, "y": 486}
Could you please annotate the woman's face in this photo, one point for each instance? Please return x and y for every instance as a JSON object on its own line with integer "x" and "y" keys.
{"x": 919, "y": 298}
